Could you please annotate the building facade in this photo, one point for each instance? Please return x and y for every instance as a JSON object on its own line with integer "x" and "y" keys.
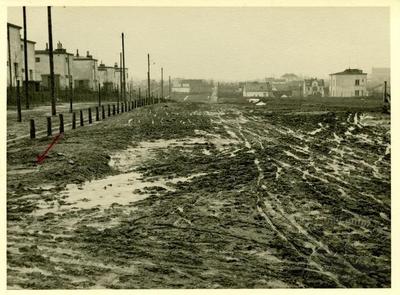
{"x": 349, "y": 83}
{"x": 14, "y": 55}
{"x": 85, "y": 72}
{"x": 62, "y": 61}
{"x": 313, "y": 87}
{"x": 257, "y": 89}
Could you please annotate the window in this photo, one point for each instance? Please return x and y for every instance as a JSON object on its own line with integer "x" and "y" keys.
{"x": 37, "y": 59}
{"x": 22, "y": 70}
{"x": 357, "y": 92}
{"x": 357, "y": 82}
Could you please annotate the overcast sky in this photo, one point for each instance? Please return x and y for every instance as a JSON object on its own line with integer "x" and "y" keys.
{"x": 220, "y": 43}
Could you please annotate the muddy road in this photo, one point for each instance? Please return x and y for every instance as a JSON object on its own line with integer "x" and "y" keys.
{"x": 204, "y": 196}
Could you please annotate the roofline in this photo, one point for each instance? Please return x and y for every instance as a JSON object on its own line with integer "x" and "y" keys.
{"x": 12, "y": 25}
{"x": 41, "y": 51}
{"x": 84, "y": 58}
{"x": 29, "y": 41}
{"x": 345, "y": 74}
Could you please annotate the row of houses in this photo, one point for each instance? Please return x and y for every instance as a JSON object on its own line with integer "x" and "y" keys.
{"x": 80, "y": 71}
{"x": 347, "y": 83}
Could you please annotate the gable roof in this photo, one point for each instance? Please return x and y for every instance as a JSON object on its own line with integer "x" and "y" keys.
{"x": 308, "y": 82}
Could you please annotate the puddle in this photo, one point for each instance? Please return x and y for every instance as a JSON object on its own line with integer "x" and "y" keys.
{"x": 122, "y": 189}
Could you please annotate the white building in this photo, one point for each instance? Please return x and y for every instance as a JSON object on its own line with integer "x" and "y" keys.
{"x": 349, "y": 83}
{"x": 62, "y": 61}
{"x": 313, "y": 87}
{"x": 180, "y": 87}
{"x": 257, "y": 89}
{"x": 85, "y": 72}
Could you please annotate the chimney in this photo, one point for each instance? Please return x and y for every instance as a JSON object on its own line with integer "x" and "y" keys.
{"x": 59, "y": 45}
{"x": 77, "y": 52}
{"x": 116, "y": 65}
{"x": 87, "y": 54}
{"x": 47, "y": 46}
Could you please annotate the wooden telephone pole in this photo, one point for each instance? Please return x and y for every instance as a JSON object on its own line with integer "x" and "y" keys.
{"x": 123, "y": 68}
{"x": 52, "y": 93}
{"x": 162, "y": 83}
{"x": 26, "y": 60}
{"x": 148, "y": 76}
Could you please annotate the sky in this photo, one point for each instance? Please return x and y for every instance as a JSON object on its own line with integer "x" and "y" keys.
{"x": 230, "y": 44}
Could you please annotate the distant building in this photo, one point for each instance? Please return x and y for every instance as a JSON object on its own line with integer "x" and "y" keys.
{"x": 85, "y": 72}
{"x": 379, "y": 76}
{"x": 349, "y": 83}
{"x": 179, "y": 87}
{"x": 110, "y": 77}
{"x": 257, "y": 89}
{"x": 290, "y": 77}
{"x": 63, "y": 67}
{"x": 313, "y": 87}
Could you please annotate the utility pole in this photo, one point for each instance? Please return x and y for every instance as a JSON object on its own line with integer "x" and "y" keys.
{"x": 70, "y": 86}
{"x": 53, "y": 98}
{"x": 169, "y": 87}
{"x": 385, "y": 93}
{"x": 26, "y": 60}
{"x": 123, "y": 67}
{"x": 148, "y": 75}
{"x": 162, "y": 83}
{"x": 120, "y": 77}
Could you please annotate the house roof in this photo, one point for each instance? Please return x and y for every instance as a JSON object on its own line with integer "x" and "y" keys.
{"x": 308, "y": 82}
{"x": 29, "y": 41}
{"x": 46, "y": 52}
{"x": 350, "y": 72}
{"x": 257, "y": 87}
{"x": 14, "y": 26}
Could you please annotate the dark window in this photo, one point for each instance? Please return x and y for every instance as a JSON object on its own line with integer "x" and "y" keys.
{"x": 37, "y": 59}
{"x": 357, "y": 82}
{"x": 357, "y": 93}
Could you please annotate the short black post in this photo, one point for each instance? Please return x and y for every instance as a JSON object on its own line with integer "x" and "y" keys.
{"x": 73, "y": 120}
{"x": 99, "y": 96}
{"x": 81, "y": 118}
{"x": 113, "y": 109}
{"x": 49, "y": 131}
{"x": 122, "y": 107}
{"x": 103, "y": 113}
{"x": 61, "y": 123}
{"x": 117, "y": 107}
{"x": 97, "y": 114}
{"x": 129, "y": 106}
{"x": 18, "y": 103}
{"x": 32, "y": 129}
{"x": 108, "y": 110}
{"x": 90, "y": 115}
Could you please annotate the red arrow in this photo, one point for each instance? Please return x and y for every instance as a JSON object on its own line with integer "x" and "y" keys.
{"x": 40, "y": 158}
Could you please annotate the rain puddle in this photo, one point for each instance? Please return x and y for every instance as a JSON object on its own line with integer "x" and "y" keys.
{"x": 122, "y": 189}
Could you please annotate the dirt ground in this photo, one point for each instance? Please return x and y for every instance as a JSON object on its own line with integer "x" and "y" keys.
{"x": 193, "y": 195}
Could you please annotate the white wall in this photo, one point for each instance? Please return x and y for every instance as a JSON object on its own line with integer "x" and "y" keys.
{"x": 16, "y": 57}
{"x": 345, "y": 86}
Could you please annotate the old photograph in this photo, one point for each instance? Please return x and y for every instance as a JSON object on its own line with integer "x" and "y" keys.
{"x": 198, "y": 147}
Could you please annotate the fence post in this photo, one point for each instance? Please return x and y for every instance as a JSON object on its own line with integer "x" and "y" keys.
{"x": 90, "y": 115}
{"x": 18, "y": 103}
{"x": 49, "y": 131}
{"x": 32, "y": 129}
{"x": 113, "y": 110}
{"x": 97, "y": 113}
{"x": 122, "y": 107}
{"x": 117, "y": 107}
{"x": 99, "y": 96}
{"x": 81, "y": 118}
{"x": 103, "y": 113}
{"x": 61, "y": 123}
{"x": 73, "y": 120}
{"x": 108, "y": 110}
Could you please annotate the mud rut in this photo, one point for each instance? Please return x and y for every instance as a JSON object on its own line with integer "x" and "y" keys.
{"x": 258, "y": 200}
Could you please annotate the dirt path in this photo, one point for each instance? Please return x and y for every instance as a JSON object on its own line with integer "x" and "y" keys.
{"x": 212, "y": 196}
